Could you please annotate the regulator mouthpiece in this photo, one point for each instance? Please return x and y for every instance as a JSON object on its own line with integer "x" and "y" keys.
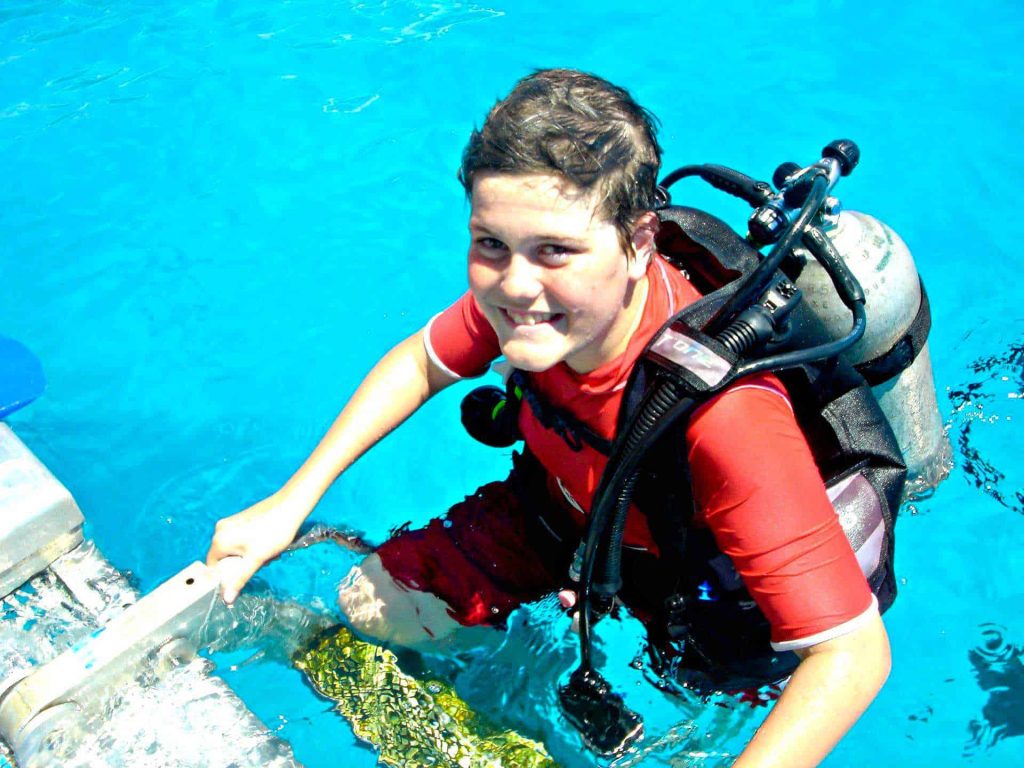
{"x": 607, "y": 725}
{"x": 488, "y": 417}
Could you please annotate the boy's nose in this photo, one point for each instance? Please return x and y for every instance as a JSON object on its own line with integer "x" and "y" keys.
{"x": 522, "y": 278}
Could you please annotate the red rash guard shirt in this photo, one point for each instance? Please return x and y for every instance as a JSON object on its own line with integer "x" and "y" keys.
{"x": 755, "y": 484}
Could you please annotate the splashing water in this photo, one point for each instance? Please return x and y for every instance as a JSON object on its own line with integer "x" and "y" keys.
{"x": 987, "y": 404}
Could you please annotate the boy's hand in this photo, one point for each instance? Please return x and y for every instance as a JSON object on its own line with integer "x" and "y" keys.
{"x": 567, "y": 599}
{"x": 244, "y": 542}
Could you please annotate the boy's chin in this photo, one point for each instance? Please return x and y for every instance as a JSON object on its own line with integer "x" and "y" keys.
{"x": 528, "y": 360}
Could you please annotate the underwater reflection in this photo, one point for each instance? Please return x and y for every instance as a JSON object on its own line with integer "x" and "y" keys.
{"x": 999, "y": 668}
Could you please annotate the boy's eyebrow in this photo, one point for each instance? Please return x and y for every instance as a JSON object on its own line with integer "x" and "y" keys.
{"x": 541, "y": 237}
{"x": 474, "y": 223}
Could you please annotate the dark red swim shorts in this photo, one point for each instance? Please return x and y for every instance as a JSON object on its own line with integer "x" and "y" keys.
{"x": 486, "y": 557}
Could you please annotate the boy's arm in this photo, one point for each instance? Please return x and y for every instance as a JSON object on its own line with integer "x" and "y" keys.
{"x": 397, "y": 386}
{"x": 755, "y": 480}
{"x": 830, "y": 689}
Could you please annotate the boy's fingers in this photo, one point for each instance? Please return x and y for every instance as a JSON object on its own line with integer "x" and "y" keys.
{"x": 218, "y": 551}
{"x": 213, "y": 556}
{"x": 567, "y": 599}
{"x": 233, "y": 572}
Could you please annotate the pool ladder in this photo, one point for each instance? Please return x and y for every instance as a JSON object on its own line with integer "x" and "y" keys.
{"x": 53, "y": 675}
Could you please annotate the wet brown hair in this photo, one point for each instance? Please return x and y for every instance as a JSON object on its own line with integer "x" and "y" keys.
{"x": 580, "y": 127}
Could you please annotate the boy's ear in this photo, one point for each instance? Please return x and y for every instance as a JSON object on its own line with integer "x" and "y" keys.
{"x": 642, "y": 240}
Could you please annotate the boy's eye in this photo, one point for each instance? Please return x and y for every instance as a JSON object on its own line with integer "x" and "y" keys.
{"x": 554, "y": 254}
{"x": 490, "y": 247}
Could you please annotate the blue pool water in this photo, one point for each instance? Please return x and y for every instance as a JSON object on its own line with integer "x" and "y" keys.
{"x": 214, "y": 216}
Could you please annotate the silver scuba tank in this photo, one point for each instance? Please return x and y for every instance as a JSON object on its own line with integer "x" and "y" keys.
{"x": 882, "y": 263}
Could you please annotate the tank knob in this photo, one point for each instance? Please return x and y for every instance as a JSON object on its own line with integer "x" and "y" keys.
{"x": 782, "y": 173}
{"x": 845, "y": 152}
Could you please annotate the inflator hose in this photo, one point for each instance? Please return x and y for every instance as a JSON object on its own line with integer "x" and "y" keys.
{"x": 663, "y": 408}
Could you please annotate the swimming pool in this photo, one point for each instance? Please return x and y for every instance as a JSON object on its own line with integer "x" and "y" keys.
{"x": 215, "y": 216}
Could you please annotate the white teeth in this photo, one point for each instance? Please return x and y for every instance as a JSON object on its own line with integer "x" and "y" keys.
{"x": 530, "y": 318}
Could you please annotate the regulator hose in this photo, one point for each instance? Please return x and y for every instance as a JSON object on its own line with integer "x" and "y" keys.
{"x": 758, "y": 281}
{"x": 726, "y": 179}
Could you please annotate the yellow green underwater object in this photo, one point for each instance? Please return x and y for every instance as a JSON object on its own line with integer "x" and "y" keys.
{"x": 410, "y": 721}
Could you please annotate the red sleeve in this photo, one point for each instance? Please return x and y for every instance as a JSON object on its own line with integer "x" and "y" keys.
{"x": 756, "y": 483}
{"x": 460, "y": 341}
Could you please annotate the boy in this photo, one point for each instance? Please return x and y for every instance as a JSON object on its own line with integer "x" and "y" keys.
{"x": 566, "y": 284}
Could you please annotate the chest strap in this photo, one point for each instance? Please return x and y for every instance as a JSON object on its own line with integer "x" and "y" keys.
{"x": 574, "y": 432}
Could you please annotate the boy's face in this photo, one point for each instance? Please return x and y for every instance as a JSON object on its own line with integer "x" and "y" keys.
{"x": 550, "y": 273}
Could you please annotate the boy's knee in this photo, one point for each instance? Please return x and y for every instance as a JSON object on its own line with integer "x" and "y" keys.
{"x": 380, "y": 608}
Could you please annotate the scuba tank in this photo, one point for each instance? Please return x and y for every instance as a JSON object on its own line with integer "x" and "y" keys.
{"x": 893, "y": 354}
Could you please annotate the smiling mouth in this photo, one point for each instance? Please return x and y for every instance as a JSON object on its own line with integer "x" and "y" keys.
{"x": 530, "y": 318}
